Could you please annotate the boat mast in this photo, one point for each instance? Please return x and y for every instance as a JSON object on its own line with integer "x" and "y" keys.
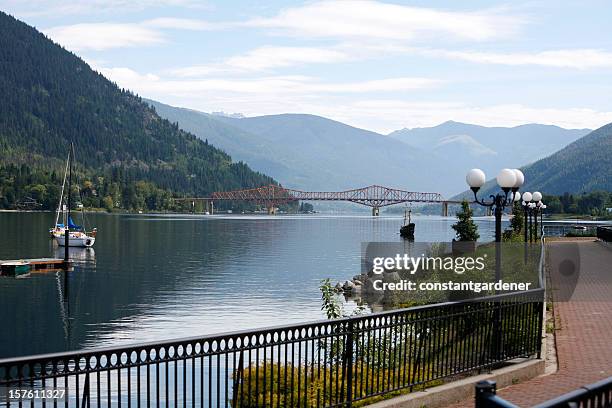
{"x": 67, "y": 230}
{"x": 61, "y": 200}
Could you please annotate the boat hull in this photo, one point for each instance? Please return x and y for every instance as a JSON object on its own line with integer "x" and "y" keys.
{"x": 75, "y": 241}
{"x": 15, "y": 269}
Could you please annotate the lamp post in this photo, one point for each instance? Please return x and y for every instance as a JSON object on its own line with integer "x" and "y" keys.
{"x": 537, "y": 198}
{"x": 542, "y": 208}
{"x": 509, "y": 180}
{"x": 526, "y": 202}
{"x": 532, "y": 206}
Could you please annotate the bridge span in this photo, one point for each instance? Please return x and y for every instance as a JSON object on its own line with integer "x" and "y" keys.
{"x": 373, "y": 196}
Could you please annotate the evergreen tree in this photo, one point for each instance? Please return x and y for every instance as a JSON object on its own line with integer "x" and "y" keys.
{"x": 518, "y": 217}
{"x": 465, "y": 227}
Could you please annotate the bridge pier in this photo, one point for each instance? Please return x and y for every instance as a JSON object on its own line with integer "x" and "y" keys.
{"x": 272, "y": 210}
{"x": 445, "y": 208}
{"x": 375, "y": 211}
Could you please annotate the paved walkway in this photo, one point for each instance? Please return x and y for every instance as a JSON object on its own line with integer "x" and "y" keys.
{"x": 583, "y": 313}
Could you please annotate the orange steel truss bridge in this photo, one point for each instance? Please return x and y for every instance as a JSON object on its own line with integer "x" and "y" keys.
{"x": 372, "y": 196}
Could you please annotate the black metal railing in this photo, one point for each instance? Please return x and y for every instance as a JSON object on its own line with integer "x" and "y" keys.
{"x": 597, "y": 395}
{"x": 604, "y": 233}
{"x": 324, "y": 364}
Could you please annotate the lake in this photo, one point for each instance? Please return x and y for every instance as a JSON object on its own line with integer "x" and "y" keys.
{"x": 155, "y": 277}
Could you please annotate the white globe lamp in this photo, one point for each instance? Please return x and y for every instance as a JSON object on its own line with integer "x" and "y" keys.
{"x": 506, "y": 179}
{"x": 520, "y": 178}
{"x": 475, "y": 178}
{"x": 537, "y": 196}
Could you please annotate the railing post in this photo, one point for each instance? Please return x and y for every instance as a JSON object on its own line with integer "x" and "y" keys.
{"x": 238, "y": 380}
{"x": 483, "y": 392}
{"x": 348, "y": 358}
{"x": 85, "y": 402}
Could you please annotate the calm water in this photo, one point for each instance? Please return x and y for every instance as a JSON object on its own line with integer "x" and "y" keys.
{"x": 161, "y": 277}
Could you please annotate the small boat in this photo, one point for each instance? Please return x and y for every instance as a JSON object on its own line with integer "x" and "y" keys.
{"x": 77, "y": 235}
{"x": 407, "y": 230}
{"x": 76, "y": 238}
{"x": 15, "y": 268}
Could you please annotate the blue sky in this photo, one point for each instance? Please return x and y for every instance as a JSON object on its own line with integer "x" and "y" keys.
{"x": 377, "y": 65}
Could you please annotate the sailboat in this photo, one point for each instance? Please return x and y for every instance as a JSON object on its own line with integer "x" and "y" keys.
{"x": 407, "y": 230}
{"x": 77, "y": 235}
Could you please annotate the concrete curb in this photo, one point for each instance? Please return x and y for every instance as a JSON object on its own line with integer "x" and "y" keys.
{"x": 461, "y": 390}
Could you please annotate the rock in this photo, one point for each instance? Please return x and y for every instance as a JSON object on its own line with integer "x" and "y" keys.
{"x": 357, "y": 282}
{"x": 360, "y": 278}
{"x": 348, "y": 285}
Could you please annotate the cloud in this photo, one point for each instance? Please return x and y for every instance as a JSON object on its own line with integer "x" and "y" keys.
{"x": 377, "y": 20}
{"x": 265, "y": 58}
{"x": 74, "y": 7}
{"x": 184, "y": 24}
{"x": 272, "y": 57}
{"x": 356, "y": 103}
{"x": 368, "y": 24}
{"x": 571, "y": 58}
{"x": 103, "y": 36}
{"x": 267, "y": 86}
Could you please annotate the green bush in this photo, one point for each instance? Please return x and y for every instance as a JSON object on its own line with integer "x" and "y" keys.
{"x": 311, "y": 385}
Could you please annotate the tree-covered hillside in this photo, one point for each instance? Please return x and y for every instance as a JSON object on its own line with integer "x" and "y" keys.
{"x": 50, "y": 97}
{"x": 582, "y": 166}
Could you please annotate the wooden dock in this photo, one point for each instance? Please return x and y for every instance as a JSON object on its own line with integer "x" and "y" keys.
{"x": 42, "y": 264}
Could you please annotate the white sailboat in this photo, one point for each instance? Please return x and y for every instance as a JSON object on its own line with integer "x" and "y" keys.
{"x": 77, "y": 235}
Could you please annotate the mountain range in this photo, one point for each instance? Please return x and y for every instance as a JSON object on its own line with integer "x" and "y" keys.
{"x": 490, "y": 147}
{"x": 311, "y": 152}
{"x": 315, "y": 153}
{"x": 580, "y": 167}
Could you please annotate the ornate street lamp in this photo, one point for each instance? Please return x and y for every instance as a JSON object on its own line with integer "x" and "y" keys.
{"x": 509, "y": 180}
{"x": 527, "y": 197}
{"x": 532, "y": 207}
{"x": 541, "y": 209}
{"x": 537, "y": 198}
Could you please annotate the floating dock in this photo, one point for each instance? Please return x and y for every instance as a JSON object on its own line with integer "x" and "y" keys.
{"x": 35, "y": 265}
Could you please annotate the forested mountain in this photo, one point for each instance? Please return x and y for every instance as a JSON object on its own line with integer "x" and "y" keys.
{"x": 582, "y": 166}
{"x": 258, "y": 152}
{"x": 314, "y": 153}
{"x": 125, "y": 151}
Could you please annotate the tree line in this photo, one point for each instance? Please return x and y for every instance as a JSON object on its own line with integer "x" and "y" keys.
{"x": 596, "y": 203}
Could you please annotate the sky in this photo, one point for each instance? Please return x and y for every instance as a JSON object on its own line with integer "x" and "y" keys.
{"x": 381, "y": 66}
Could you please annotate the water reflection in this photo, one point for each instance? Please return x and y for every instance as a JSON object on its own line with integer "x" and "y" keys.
{"x": 160, "y": 277}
